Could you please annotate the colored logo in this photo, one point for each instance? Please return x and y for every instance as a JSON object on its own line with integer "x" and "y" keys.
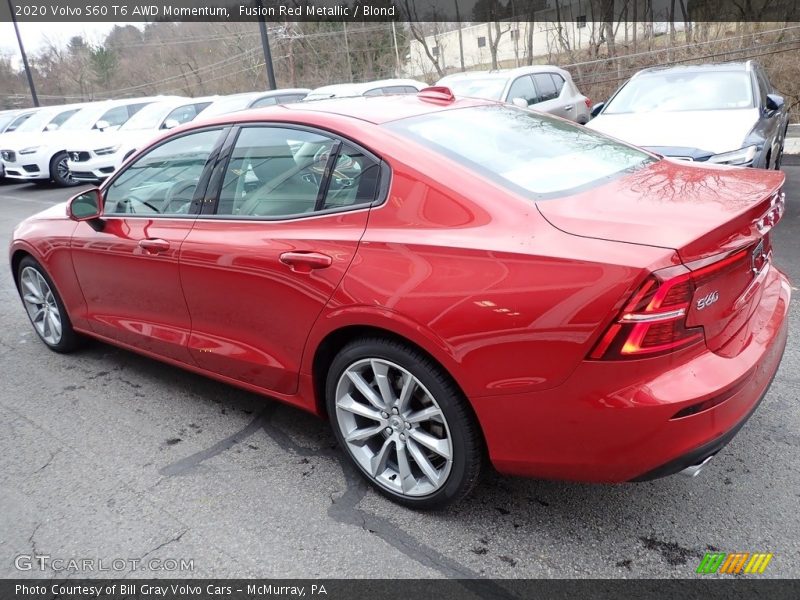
{"x": 734, "y": 564}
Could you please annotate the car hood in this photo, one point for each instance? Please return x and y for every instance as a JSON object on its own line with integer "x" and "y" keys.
{"x": 715, "y": 131}
{"x": 93, "y": 140}
{"x": 697, "y": 210}
{"x": 54, "y": 139}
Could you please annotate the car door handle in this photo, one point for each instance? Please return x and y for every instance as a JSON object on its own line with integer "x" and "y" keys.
{"x": 154, "y": 246}
{"x": 569, "y": 107}
{"x": 305, "y": 262}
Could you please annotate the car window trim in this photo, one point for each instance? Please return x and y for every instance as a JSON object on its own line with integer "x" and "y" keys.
{"x": 215, "y": 187}
{"x": 198, "y": 198}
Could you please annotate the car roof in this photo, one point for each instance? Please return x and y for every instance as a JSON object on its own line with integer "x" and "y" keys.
{"x": 372, "y": 109}
{"x": 503, "y": 73}
{"x": 707, "y": 68}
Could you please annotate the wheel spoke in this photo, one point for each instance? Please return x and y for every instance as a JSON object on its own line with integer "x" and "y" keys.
{"x": 423, "y": 463}
{"x": 350, "y": 405}
{"x": 381, "y": 372}
{"x": 430, "y": 442}
{"x": 33, "y": 291}
{"x": 409, "y": 386}
{"x": 38, "y": 317}
{"x": 365, "y": 389}
{"x": 426, "y": 414}
{"x": 362, "y": 434}
{"x": 407, "y": 481}
{"x": 55, "y": 324}
{"x": 377, "y": 463}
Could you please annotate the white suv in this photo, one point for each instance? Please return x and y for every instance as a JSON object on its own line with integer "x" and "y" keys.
{"x": 540, "y": 87}
{"x": 37, "y": 150}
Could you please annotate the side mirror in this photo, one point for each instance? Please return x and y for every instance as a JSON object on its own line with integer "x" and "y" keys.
{"x": 86, "y": 206}
{"x": 102, "y": 125}
{"x": 50, "y": 127}
{"x": 774, "y": 102}
{"x": 521, "y": 102}
{"x": 170, "y": 124}
{"x": 597, "y": 108}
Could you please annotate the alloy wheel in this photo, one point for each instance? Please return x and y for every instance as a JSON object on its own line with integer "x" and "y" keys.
{"x": 40, "y": 302}
{"x": 393, "y": 427}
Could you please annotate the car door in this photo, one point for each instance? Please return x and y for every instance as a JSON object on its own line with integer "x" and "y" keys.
{"x": 549, "y": 88}
{"x": 291, "y": 209}
{"x": 127, "y": 263}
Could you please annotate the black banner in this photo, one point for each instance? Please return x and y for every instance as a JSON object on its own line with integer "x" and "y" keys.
{"x": 399, "y": 589}
{"x": 597, "y": 11}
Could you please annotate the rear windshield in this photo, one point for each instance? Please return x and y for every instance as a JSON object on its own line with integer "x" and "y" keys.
{"x": 531, "y": 153}
{"x": 684, "y": 90}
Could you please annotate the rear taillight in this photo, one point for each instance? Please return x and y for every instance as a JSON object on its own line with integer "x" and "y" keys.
{"x": 588, "y": 103}
{"x": 653, "y": 322}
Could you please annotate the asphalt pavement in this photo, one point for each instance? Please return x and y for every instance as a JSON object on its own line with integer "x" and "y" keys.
{"x": 105, "y": 455}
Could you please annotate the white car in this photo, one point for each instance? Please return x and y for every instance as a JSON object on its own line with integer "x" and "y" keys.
{"x": 10, "y": 120}
{"x": 541, "y": 87}
{"x": 382, "y": 87}
{"x": 246, "y": 100}
{"x": 37, "y": 150}
{"x": 95, "y": 156}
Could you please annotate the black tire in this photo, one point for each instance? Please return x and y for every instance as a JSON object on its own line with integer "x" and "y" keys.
{"x": 70, "y": 340}
{"x": 59, "y": 178}
{"x": 467, "y": 441}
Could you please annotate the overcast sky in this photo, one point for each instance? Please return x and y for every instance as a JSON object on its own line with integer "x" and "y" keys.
{"x": 35, "y": 34}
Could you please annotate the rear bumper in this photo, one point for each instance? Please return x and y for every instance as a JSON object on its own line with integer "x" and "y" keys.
{"x": 616, "y": 421}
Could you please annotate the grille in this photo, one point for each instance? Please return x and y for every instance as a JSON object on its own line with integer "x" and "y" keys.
{"x": 79, "y": 156}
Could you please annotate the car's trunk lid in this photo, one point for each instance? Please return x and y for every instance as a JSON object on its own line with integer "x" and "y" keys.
{"x": 711, "y": 216}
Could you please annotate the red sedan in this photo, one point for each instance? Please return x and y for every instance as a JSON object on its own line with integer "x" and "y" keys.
{"x": 444, "y": 279}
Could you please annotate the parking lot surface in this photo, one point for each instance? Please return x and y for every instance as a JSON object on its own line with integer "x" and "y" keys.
{"x": 108, "y": 455}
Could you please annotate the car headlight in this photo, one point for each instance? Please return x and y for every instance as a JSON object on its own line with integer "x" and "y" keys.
{"x": 107, "y": 150}
{"x": 31, "y": 150}
{"x": 742, "y": 156}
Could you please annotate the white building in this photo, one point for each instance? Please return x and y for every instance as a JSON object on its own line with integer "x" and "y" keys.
{"x": 553, "y": 31}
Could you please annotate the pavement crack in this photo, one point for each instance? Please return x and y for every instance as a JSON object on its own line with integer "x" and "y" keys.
{"x": 177, "y": 538}
{"x": 47, "y": 464}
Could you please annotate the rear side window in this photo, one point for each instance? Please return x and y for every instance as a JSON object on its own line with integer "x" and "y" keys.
{"x": 531, "y": 154}
{"x": 545, "y": 87}
{"x": 558, "y": 81}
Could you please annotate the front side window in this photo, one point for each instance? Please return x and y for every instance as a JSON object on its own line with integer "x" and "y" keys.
{"x": 163, "y": 181}
{"x": 523, "y": 88}
{"x": 532, "y": 154}
{"x": 278, "y": 172}
{"x": 674, "y": 91}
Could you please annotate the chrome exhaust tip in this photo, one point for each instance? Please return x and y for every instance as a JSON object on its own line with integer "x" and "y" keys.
{"x": 694, "y": 470}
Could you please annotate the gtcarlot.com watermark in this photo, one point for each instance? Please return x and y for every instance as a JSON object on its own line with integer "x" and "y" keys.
{"x": 45, "y": 562}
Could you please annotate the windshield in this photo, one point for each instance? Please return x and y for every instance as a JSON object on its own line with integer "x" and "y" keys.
{"x": 84, "y": 118}
{"x": 490, "y": 88}
{"x": 149, "y": 117}
{"x": 228, "y": 105}
{"x": 45, "y": 117}
{"x": 682, "y": 90}
{"x": 530, "y": 153}
{"x": 5, "y": 121}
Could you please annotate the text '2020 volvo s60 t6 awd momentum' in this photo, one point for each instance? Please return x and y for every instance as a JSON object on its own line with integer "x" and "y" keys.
{"x": 443, "y": 279}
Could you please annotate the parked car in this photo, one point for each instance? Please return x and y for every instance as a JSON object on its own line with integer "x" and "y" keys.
{"x": 96, "y": 155}
{"x": 10, "y": 120}
{"x": 541, "y": 87}
{"x": 39, "y": 154}
{"x": 381, "y": 87}
{"x": 719, "y": 113}
{"x": 441, "y": 278}
{"x": 235, "y": 102}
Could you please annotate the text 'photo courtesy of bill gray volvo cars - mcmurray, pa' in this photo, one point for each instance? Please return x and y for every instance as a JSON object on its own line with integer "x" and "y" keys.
{"x": 445, "y": 278}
